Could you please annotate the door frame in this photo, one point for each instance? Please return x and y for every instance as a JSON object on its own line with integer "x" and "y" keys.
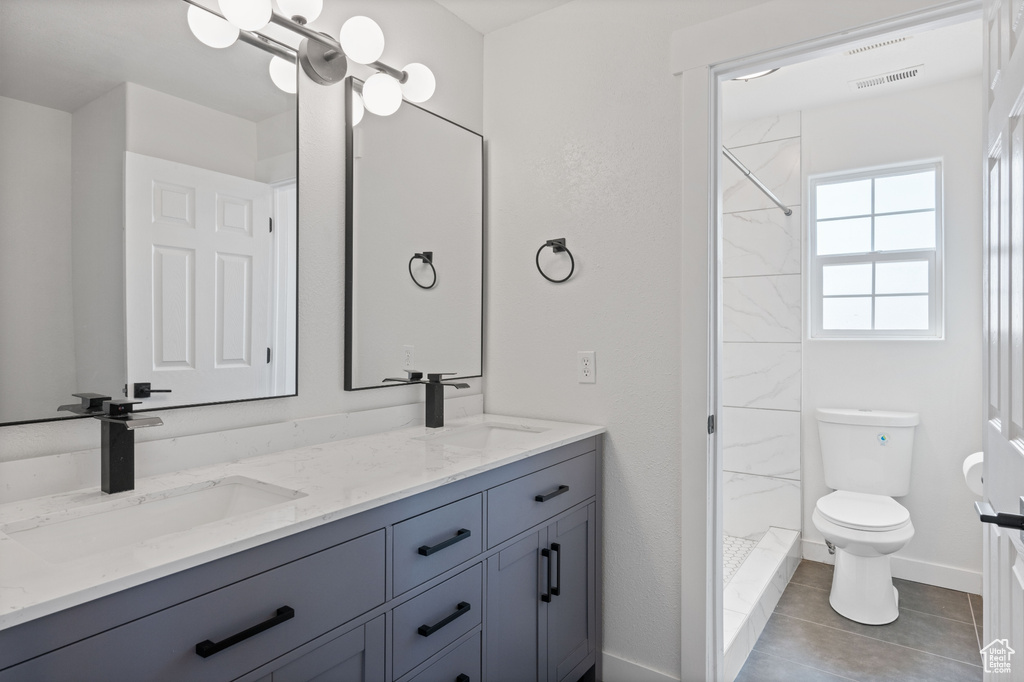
{"x": 703, "y": 61}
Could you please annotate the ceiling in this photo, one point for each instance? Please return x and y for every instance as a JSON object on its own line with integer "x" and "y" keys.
{"x": 944, "y": 54}
{"x": 490, "y": 15}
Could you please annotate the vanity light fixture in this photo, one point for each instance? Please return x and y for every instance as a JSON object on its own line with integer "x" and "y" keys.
{"x": 322, "y": 58}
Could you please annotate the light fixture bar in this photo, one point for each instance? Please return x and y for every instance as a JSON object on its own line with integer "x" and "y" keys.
{"x": 267, "y": 45}
{"x": 397, "y": 74}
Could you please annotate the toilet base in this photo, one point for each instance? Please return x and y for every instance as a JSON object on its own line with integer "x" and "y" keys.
{"x": 862, "y": 589}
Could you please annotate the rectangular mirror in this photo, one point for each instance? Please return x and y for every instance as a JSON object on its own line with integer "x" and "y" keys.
{"x": 140, "y": 171}
{"x": 414, "y": 256}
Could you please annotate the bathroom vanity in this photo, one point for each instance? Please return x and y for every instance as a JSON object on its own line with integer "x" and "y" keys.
{"x": 468, "y": 553}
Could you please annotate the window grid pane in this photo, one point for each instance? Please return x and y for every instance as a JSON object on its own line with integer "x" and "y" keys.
{"x": 902, "y": 217}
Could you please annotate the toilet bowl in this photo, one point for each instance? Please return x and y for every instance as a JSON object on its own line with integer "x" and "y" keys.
{"x": 864, "y": 529}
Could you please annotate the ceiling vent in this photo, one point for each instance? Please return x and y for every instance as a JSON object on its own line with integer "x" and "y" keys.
{"x": 875, "y": 46}
{"x": 888, "y": 78}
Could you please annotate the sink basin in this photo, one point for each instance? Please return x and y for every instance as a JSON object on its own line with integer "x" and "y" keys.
{"x": 483, "y": 436}
{"x": 96, "y": 528}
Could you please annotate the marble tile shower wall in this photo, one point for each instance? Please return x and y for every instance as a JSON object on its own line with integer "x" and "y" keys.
{"x": 762, "y": 328}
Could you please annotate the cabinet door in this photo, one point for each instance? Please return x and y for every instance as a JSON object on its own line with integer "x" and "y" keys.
{"x": 571, "y": 618}
{"x": 514, "y": 587}
{"x": 356, "y": 656}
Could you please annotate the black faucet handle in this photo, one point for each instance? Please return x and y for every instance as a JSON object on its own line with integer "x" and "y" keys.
{"x": 92, "y": 403}
{"x": 438, "y": 376}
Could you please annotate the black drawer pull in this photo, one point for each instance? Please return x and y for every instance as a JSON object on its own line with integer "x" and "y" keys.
{"x": 546, "y": 596}
{"x": 462, "y": 534}
{"x": 462, "y": 678}
{"x": 428, "y": 630}
{"x": 545, "y": 498}
{"x": 207, "y": 648}
{"x": 557, "y": 589}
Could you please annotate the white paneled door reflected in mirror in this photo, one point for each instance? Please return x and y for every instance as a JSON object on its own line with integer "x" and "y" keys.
{"x": 414, "y": 255}
{"x": 149, "y": 186}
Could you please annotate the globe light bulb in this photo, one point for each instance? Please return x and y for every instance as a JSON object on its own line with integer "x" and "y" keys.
{"x": 248, "y": 15}
{"x": 382, "y": 95}
{"x": 419, "y": 84}
{"x": 210, "y": 29}
{"x": 362, "y": 40}
{"x": 308, "y": 10}
{"x": 357, "y": 109}
{"x": 283, "y": 73}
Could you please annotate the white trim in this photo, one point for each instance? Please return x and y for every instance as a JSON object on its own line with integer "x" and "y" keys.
{"x": 620, "y": 670}
{"x": 939, "y": 575}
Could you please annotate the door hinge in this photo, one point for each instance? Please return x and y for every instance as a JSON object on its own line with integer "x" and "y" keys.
{"x": 271, "y": 224}
{"x": 268, "y": 356}
{"x": 711, "y": 424}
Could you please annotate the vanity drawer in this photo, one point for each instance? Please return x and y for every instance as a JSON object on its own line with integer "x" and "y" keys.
{"x": 431, "y": 543}
{"x": 428, "y": 623}
{"x": 324, "y": 590}
{"x": 462, "y": 664}
{"x": 527, "y": 501}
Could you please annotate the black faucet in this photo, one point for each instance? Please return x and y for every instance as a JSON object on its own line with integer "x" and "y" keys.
{"x": 435, "y": 394}
{"x": 117, "y": 438}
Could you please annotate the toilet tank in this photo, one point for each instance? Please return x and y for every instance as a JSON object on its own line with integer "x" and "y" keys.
{"x": 867, "y": 451}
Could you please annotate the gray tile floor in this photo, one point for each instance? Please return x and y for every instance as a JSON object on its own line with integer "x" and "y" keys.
{"x": 936, "y": 637}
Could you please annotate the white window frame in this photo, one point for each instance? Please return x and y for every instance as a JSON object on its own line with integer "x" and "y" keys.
{"x": 934, "y": 258}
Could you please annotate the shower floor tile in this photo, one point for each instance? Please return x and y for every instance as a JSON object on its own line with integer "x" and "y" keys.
{"x": 734, "y": 551}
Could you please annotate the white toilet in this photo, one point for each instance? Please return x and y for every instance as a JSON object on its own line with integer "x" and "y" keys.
{"x": 866, "y": 458}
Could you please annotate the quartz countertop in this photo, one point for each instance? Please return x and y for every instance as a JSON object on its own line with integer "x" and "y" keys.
{"x": 331, "y": 481}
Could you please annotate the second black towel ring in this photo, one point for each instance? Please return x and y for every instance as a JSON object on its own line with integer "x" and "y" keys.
{"x": 558, "y": 246}
{"x": 428, "y": 258}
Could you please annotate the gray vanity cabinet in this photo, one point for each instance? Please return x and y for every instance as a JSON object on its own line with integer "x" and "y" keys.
{"x": 492, "y": 577}
{"x": 356, "y": 656}
{"x": 541, "y": 592}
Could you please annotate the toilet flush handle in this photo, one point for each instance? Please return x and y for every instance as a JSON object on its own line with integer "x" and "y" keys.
{"x": 989, "y": 515}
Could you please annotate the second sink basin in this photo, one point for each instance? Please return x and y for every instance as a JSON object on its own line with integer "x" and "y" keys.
{"x": 127, "y": 521}
{"x": 483, "y": 436}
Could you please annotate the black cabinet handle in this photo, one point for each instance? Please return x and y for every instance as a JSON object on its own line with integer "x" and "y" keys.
{"x": 462, "y": 534}
{"x": 557, "y": 589}
{"x": 546, "y": 596}
{"x": 207, "y": 648}
{"x": 545, "y": 498}
{"x": 462, "y": 678}
{"x": 428, "y": 630}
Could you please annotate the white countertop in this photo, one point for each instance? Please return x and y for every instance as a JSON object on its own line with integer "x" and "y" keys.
{"x": 336, "y": 480}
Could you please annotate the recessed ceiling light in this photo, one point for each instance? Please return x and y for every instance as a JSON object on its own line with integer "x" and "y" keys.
{"x": 756, "y": 74}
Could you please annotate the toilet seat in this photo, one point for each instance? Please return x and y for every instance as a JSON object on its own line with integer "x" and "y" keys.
{"x": 862, "y": 511}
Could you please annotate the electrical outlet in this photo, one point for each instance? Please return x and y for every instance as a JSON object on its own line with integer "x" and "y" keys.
{"x": 408, "y": 357}
{"x": 586, "y": 367}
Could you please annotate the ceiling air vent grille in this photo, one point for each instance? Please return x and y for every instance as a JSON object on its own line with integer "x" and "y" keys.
{"x": 888, "y": 78}
{"x": 875, "y": 46}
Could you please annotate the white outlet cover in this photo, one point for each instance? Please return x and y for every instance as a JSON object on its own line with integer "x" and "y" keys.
{"x": 586, "y": 367}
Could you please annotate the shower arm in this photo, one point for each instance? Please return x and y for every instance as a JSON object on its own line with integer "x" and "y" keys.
{"x": 753, "y": 178}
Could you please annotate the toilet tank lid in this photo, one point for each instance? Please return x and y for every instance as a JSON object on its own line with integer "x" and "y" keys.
{"x": 867, "y": 417}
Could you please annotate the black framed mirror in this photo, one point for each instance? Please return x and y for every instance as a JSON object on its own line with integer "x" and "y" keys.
{"x": 140, "y": 171}
{"x": 414, "y": 247}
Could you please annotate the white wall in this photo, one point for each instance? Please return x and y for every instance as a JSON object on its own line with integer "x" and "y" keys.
{"x": 98, "y": 146}
{"x": 941, "y": 380}
{"x": 417, "y": 30}
{"x": 176, "y": 129}
{"x": 35, "y": 259}
{"x": 582, "y": 121}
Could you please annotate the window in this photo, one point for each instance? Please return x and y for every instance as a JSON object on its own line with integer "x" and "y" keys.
{"x": 876, "y": 254}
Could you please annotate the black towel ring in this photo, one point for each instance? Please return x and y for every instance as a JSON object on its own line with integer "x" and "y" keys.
{"x": 428, "y": 258}
{"x": 558, "y": 246}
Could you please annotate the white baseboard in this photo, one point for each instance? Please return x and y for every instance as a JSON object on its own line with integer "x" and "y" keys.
{"x": 919, "y": 571}
{"x": 620, "y": 670}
